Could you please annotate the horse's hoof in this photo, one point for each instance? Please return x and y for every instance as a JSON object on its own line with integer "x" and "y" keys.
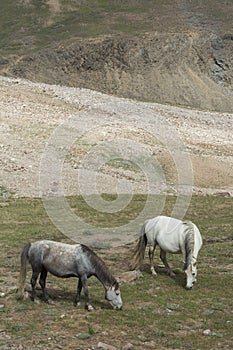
{"x": 36, "y": 301}
{"x": 90, "y": 308}
{"x": 50, "y": 302}
{"x": 23, "y": 296}
{"x": 26, "y": 295}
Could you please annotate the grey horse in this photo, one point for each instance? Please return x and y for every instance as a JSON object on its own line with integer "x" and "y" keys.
{"x": 67, "y": 260}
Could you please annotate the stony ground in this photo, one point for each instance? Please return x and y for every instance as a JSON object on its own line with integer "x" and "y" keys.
{"x": 108, "y": 137}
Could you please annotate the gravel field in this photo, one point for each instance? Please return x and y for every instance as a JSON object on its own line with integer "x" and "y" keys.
{"x": 89, "y": 142}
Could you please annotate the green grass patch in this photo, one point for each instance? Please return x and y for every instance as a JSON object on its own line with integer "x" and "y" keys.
{"x": 157, "y": 310}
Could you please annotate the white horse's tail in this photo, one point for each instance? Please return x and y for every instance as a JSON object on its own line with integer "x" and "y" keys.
{"x": 140, "y": 248}
{"x": 188, "y": 243}
{"x": 23, "y": 271}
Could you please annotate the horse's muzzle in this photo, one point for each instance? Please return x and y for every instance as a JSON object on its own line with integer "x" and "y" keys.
{"x": 118, "y": 307}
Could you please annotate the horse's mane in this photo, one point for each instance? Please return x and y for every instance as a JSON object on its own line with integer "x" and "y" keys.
{"x": 102, "y": 271}
{"x": 189, "y": 243}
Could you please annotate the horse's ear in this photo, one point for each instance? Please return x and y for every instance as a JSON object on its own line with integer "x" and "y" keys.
{"x": 116, "y": 284}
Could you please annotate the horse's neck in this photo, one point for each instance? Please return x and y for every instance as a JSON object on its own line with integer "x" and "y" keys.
{"x": 188, "y": 242}
{"x": 103, "y": 274}
{"x": 197, "y": 242}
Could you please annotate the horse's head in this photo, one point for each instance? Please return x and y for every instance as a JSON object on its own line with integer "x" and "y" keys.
{"x": 191, "y": 274}
{"x": 113, "y": 295}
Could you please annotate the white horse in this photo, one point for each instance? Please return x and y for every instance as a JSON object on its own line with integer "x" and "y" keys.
{"x": 172, "y": 236}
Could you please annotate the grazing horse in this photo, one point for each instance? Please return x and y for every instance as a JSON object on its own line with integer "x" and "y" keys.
{"x": 173, "y": 236}
{"x": 66, "y": 260}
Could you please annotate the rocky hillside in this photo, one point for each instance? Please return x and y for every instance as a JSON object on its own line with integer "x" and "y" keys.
{"x": 118, "y": 137}
{"x": 172, "y": 52}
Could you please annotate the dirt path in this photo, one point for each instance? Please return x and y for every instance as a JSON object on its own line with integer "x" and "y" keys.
{"x": 84, "y": 125}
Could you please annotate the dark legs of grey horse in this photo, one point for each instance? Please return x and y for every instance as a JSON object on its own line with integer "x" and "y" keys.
{"x": 164, "y": 260}
{"x": 79, "y": 289}
{"x": 42, "y": 282}
{"x": 82, "y": 283}
{"x": 151, "y": 257}
{"x": 35, "y": 275}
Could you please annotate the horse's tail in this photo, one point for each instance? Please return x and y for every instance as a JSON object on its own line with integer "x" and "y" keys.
{"x": 188, "y": 243}
{"x": 23, "y": 270}
{"x": 140, "y": 248}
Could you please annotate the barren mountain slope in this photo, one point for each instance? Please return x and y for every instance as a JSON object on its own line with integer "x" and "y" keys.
{"x": 174, "y": 52}
{"x": 83, "y": 123}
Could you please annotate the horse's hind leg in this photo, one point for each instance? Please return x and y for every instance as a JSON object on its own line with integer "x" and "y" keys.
{"x": 42, "y": 282}
{"x": 79, "y": 289}
{"x": 151, "y": 257}
{"x": 35, "y": 274}
{"x": 164, "y": 260}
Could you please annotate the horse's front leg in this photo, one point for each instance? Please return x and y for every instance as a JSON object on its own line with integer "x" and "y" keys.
{"x": 164, "y": 260}
{"x": 151, "y": 257}
{"x": 79, "y": 289}
{"x": 84, "y": 282}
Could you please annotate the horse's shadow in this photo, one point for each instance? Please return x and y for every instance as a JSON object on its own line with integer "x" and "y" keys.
{"x": 57, "y": 296}
{"x": 179, "y": 277}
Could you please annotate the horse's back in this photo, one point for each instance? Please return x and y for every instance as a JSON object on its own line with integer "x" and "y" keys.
{"x": 166, "y": 231}
{"x": 163, "y": 224}
{"x": 45, "y": 245}
{"x": 58, "y": 258}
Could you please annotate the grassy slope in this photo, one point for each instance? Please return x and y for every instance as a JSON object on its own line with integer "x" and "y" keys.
{"x": 30, "y": 25}
{"x": 157, "y": 311}
{"x": 25, "y": 28}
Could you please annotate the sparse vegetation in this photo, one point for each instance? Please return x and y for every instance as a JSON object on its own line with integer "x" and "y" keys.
{"x": 158, "y": 312}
